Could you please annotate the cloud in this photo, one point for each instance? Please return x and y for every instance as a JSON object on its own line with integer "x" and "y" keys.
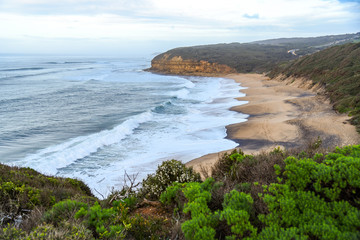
{"x": 254, "y": 16}
{"x": 187, "y": 21}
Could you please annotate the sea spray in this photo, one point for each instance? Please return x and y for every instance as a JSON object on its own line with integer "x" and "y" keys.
{"x": 95, "y": 118}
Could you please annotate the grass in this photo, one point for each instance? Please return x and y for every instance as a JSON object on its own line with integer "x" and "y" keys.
{"x": 337, "y": 69}
{"x": 260, "y": 56}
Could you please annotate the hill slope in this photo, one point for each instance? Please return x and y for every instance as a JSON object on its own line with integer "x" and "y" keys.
{"x": 260, "y": 56}
{"x": 337, "y": 69}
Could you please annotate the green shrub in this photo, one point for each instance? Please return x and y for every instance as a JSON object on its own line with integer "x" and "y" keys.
{"x": 171, "y": 193}
{"x": 11, "y": 233}
{"x": 25, "y": 188}
{"x": 203, "y": 221}
{"x": 167, "y": 173}
{"x": 63, "y": 210}
{"x": 117, "y": 223}
{"x": 320, "y": 200}
{"x": 312, "y": 198}
{"x": 103, "y": 221}
{"x": 65, "y": 232}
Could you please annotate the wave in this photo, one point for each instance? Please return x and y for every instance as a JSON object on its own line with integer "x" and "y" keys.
{"x": 41, "y": 73}
{"x": 69, "y": 62}
{"x": 168, "y": 108}
{"x": 50, "y": 159}
{"x": 21, "y": 69}
{"x": 189, "y": 84}
{"x": 182, "y": 93}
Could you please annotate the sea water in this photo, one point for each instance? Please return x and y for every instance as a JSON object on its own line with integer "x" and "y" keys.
{"x": 96, "y": 118}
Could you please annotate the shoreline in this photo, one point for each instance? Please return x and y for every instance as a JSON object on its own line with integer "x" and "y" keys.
{"x": 286, "y": 114}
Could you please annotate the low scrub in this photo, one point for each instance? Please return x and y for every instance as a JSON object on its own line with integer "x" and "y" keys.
{"x": 167, "y": 173}
{"x": 305, "y": 197}
{"x": 310, "y": 194}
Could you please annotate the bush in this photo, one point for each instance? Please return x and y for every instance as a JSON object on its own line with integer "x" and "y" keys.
{"x": 11, "y": 232}
{"x": 117, "y": 223}
{"x": 311, "y": 198}
{"x": 237, "y": 210}
{"x": 167, "y": 173}
{"x": 203, "y": 222}
{"x": 65, "y": 232}
{"x": 25, "y": 188}
{"x": 63, "y": 210}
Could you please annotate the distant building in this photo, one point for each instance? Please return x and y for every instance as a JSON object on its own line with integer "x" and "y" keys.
{"x": 293, "y": 51}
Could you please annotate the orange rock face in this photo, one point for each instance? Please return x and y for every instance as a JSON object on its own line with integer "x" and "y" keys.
{"x": 176, "y": 65}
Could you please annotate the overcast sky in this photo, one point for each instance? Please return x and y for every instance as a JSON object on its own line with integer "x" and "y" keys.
{"x": 136, "y": 27}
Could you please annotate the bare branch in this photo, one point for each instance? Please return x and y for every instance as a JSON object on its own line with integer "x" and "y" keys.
{"x": 128, "y": 189}
{"x": 99, "y": 193}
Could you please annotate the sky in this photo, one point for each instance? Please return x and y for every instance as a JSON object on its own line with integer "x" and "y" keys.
{"x": 145, "y": 27}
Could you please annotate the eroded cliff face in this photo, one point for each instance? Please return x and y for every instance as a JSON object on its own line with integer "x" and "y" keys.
{"x": 176, "y": 65}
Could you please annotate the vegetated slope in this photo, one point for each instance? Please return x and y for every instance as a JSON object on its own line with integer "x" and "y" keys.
{"x": 302, "y": 194}
{"x": 305, "y": 46}
{"x": 260, "y": 56}
{"x": 241, "y": 57}
{"x": 337, "y": 69}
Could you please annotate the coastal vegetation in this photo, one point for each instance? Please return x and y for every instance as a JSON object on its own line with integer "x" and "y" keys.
{"x": 298, "y": 194}
{"x": 337, "y": 70}
{"x": 309, "y": 193}
{"x": 260, "y": 56}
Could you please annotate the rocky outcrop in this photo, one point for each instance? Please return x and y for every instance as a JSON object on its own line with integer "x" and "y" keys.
{"x": 177, "y": 65}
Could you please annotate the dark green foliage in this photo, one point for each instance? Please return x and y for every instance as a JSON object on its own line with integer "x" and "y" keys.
{"x": 65, "y": 231}
{"x": 103, "y": 222}
{"x": 117, "y": 223}
{"x": 242, "y": 57}
{"x": 203, "y": 220}
{"x": 307, "y": 194}
{"x": 311, "y": 197}
{"x": 338, "y": 70}
{"x": 24, "y": 188}
{"x": 309, "y": 45}
{"x": 167, "y": 173}
{"x": 236, "y": 212}
{"x": 171, "y": 193}
{"x": 63, "y": 210}
{"x": 320, "y": 200}
{"x": 238, "y": 167}
{"x": 9, "y": 233}
{"x": 237, "y": 208}
{"x": 259, "y": 56}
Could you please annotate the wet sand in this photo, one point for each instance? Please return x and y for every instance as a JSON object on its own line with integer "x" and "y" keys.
{"x": 286, "y": 114}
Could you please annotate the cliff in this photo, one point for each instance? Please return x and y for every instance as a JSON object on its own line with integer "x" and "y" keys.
{"x": 261, "y": 56}
{"x": 177, "y": 65}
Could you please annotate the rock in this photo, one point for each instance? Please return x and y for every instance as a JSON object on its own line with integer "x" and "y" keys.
{"x": 176, "y": 65}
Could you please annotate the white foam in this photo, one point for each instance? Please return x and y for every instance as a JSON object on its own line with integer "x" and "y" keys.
{"x": 183, "y": 137}
{"x": 182, "y": 93}
{"x": 100, "y": 159}
{"x": 189, "y": 84}
{"x": 50, "y": 159}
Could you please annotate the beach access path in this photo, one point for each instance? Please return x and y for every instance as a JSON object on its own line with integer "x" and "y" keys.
{"x": 286, "y": 114}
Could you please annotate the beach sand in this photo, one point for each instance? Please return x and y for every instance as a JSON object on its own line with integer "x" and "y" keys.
{"x": 285, "y": 114}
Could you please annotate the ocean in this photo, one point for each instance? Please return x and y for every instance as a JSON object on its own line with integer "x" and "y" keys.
{"x": 95, "y": 118}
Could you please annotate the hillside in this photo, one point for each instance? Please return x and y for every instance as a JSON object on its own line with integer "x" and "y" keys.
{"x": 260, "y": 56}
{"x": 304, "y": 194}
{"x": 337, "y": 69}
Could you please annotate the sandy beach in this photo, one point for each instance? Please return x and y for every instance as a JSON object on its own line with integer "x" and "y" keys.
{"x": 287, "y": 114}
